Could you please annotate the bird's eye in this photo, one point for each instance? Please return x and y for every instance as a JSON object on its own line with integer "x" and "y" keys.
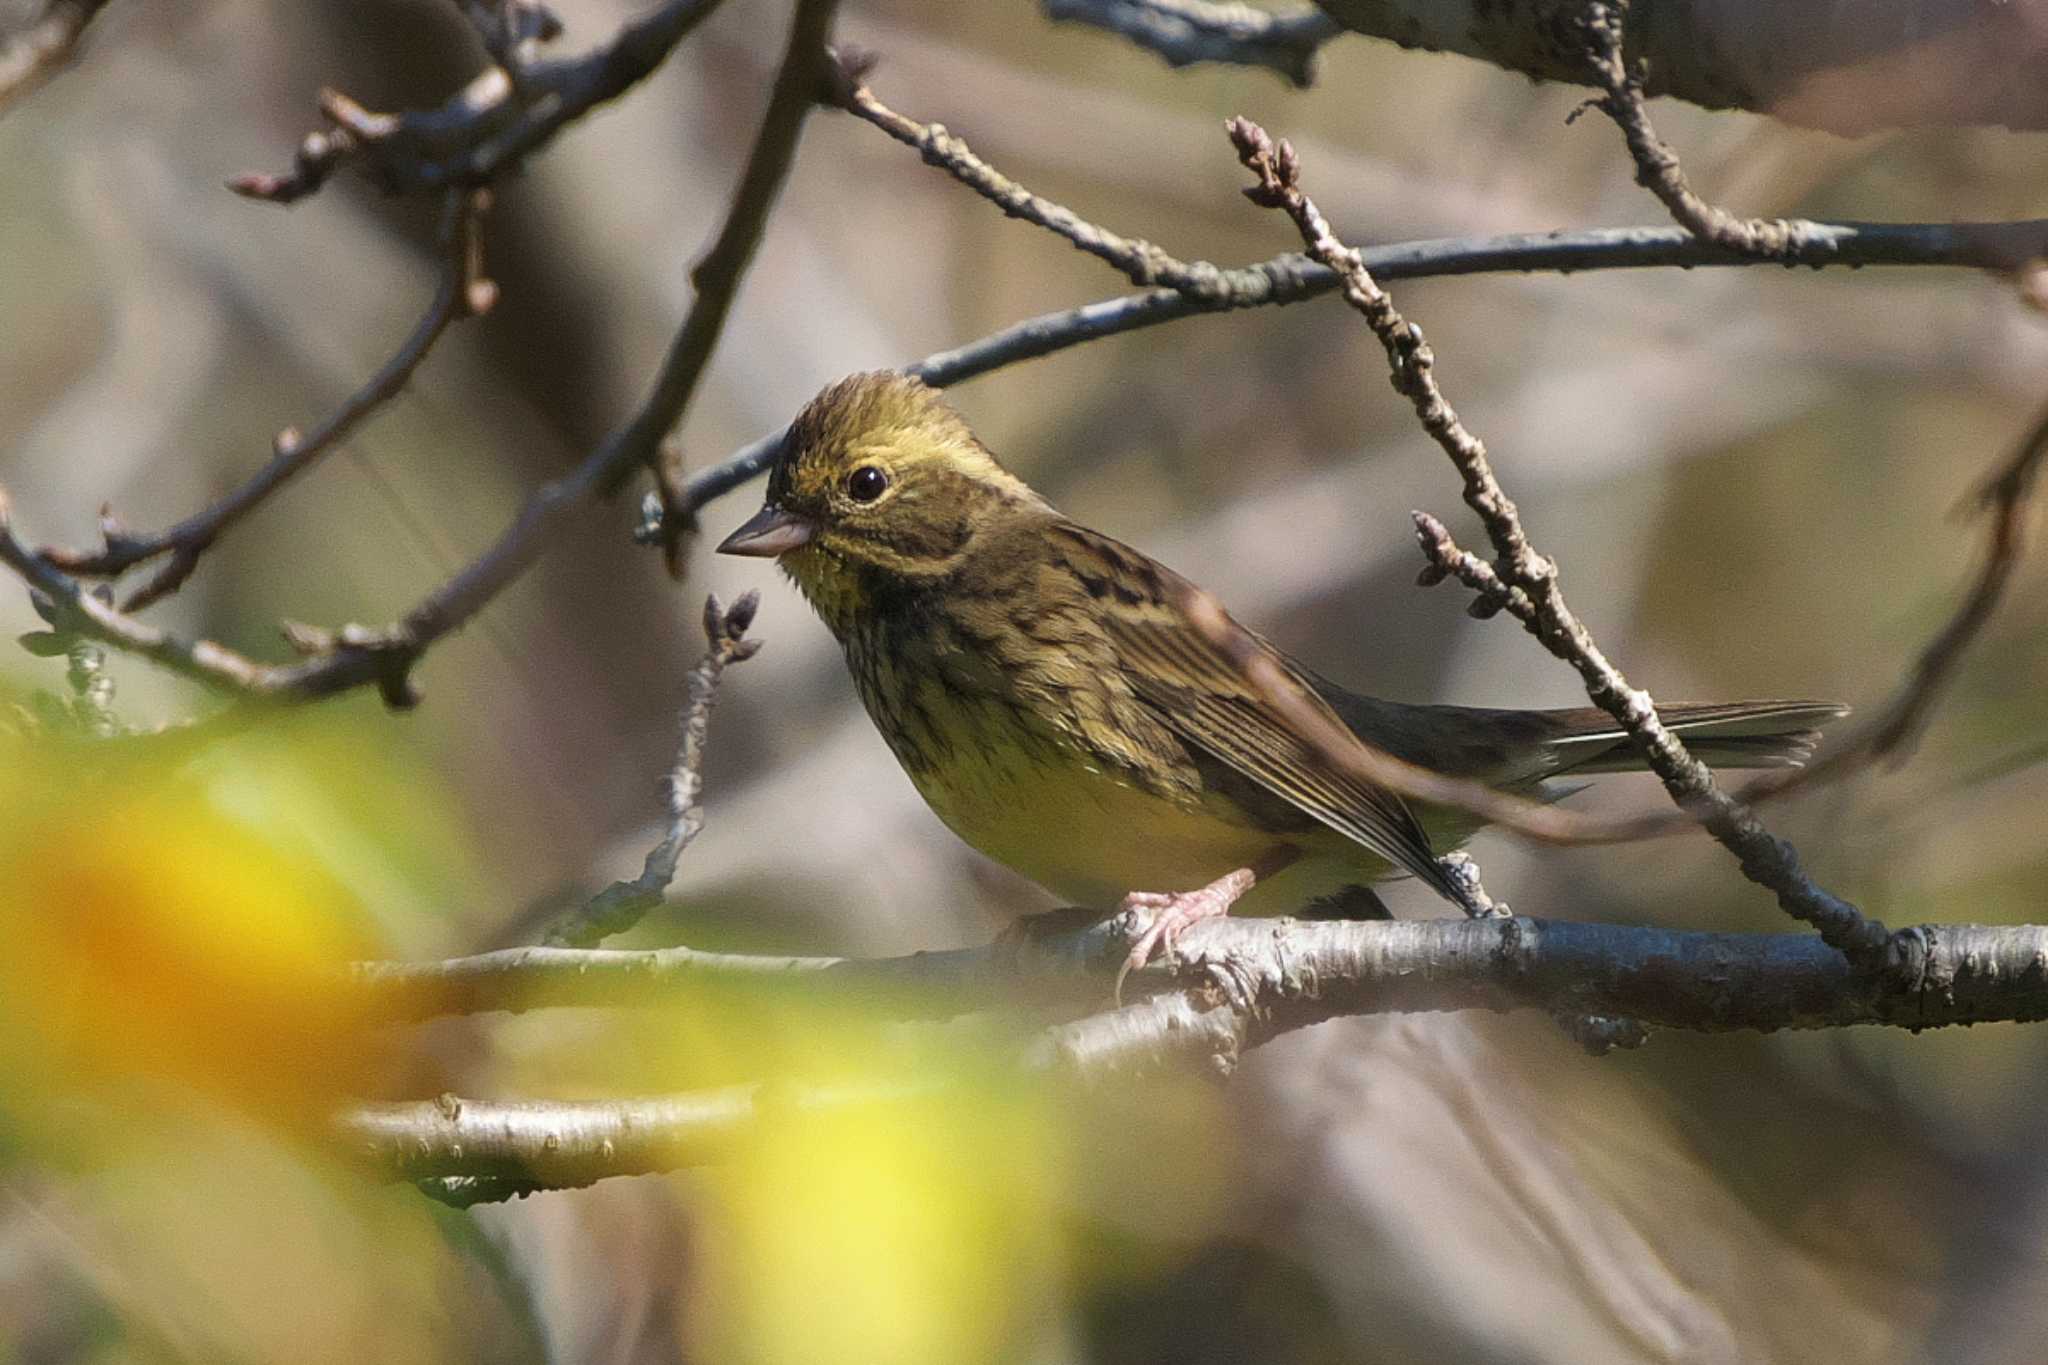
{"x": 866, "y": 483}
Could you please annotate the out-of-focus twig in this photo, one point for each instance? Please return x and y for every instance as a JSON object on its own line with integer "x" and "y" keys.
{"x": 1525, "y": 583}
{"x": 1184, "y": 32}
{"x": 1602, "y": 25}
{"x": 620, "y": 906}
{"x": 490, "y": 125}
{"x": 463, "y": 291}
{"x": 354, "y": 655}
{"x": 35, "y": 47}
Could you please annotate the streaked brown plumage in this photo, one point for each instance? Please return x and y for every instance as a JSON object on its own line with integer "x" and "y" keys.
{"x": 1041, "y": 685}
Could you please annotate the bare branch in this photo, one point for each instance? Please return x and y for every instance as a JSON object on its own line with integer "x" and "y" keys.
{"x": 1185, "y": 32}
{"x": 37, "y": 47}
{"x": 621, "y": 905}
{"x": 1849, "y": 66}
{"x": 1140, "y": 261}
{"x": 1292, "y": 278}
{"x": 1524, "y": 583}
{"x": 1602, "y": 24}
{"x": 355, "y": 655}
{"x": 463, "y": 291}
{"x": 1931, "y": 976}
{"x": 799, "y": 85}
{"x": 1229, "y": 985}
{"x": 487, "y": 128}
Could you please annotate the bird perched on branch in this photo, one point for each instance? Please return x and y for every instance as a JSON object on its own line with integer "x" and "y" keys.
{"x": 1063, "y": 703}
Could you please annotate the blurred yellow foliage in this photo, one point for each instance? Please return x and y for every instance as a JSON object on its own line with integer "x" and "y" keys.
{"x": 175, "y": 936}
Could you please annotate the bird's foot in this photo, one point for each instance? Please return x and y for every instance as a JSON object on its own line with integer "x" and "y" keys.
{"x": 1159, "y": 918}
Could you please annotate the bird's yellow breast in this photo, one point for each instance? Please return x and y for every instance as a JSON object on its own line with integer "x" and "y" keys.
{"x": 1090, "y": 833}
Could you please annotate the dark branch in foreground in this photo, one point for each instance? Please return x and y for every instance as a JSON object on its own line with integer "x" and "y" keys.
{"x": 1524, "y": 583}
{"x": 621, "y": 905}
{"x": 488, "y": 127}
{"x": 1228, "y": 986}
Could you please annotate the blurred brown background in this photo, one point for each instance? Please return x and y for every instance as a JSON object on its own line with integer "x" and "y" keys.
{"x": 1746, "y": 474}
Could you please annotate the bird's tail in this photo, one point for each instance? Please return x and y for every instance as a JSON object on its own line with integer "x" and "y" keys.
{"x": 1736, "y": 734}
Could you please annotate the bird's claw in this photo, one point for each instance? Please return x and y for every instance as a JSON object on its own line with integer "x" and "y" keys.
{"x": 1159, "y": 918}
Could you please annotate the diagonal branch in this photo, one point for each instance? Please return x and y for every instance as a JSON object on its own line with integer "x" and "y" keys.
{"x": 1525, "y": 583}
{"x": 487, "y": 128}
{"x": 463, "y": 291}
{"x": 621, "y": 905}
{"x": 356, "y": 655}
{"x": 1602, "y": 25}
{"x": 36, "y": 46}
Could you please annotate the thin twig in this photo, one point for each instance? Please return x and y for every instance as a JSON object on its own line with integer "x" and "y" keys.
{"x": 1185, "y": 32}
{"x": 486, "y": 129}
{"x": 1524, "y": 583}
{"x": 621, "y": 905}
{"x": 1602, "y": 25}
{"x": 1140, "y": 261}
{"x": 462, "y": 291}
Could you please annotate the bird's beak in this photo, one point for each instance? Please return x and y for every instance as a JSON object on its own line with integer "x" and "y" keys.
{"x": 768, "y": 533}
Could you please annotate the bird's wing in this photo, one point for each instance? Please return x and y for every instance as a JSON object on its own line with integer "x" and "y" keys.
{"x": 1205, "y": 697}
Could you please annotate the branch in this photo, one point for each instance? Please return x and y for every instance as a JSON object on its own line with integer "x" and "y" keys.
{"x": 1930, "y": 976}
{"x": 487, "y": 128}
{"x": 463, "y": 291}
{"x": 1602, "y": 25}
{"x": 621, "y": 905}
{"x": 1293, "y": 278}
{"x": 799, "y": 85}
{"x": 1185, "y": 32}
{"x": 36, "y": 47}
{"x": 1524, "y": 583}
{"x": 1282, "y": 974}
{"x": 1848, "y": 66}
{"x": 355, "y": 655}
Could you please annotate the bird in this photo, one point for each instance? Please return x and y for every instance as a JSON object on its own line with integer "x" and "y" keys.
{"x": 1049, "y": 694}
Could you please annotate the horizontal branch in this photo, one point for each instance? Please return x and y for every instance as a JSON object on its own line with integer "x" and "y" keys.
{"x": 1293, "y": 278}
{"x": 1185, "y": 32}
{"x": 1848, "y": 66}
{"x": 1295, "y": 972}
{"x": 1253, "y": 981}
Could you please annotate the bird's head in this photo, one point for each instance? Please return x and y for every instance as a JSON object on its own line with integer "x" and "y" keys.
{"x": 878, "y": 483}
